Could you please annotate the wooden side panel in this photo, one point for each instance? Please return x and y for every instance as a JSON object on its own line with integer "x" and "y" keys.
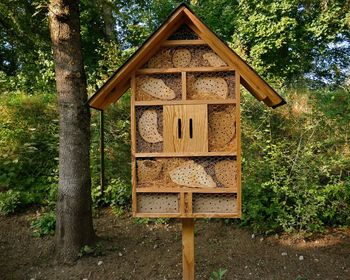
{"x": 185, "y": 128}
{"x": 188, "y": 249}
{"x": 238, "y": 137}
{"x": 133, "y": 144}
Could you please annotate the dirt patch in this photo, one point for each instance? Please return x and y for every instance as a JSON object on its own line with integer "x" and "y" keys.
{"x": 137, "y": 251}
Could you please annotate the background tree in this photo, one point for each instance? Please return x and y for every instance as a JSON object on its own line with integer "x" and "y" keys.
{"x": 74, "y": 227}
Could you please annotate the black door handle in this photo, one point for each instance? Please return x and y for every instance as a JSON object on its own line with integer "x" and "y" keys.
{"x": 191, "y": 128}
{"x": 179, "y": 132}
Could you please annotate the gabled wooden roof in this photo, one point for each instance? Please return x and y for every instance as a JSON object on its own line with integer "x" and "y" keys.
{"x": 119, "y": 82}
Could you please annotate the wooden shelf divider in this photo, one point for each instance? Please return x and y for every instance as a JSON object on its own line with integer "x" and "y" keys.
{"x": 184, "y": 190}
{"x": 184, "y": 102}
{"x": 183, "y": 154}
{"x": 171, "y": 43}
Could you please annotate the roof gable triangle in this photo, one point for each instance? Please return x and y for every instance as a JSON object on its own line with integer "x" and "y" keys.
{"x": 173, "y": 28}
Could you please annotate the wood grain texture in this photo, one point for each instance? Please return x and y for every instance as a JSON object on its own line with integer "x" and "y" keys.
{"x": 183, "y": 85}
{"x": 182, "y": 204}
{"x": 159, "y": 189}
{"x": 185, "y": 102}
{"x": 199, "y": 140}
{"x": 174, "y": 43}
{"x": 199, "y": 116}
{"x": 239, "y": 148}
{"x": 186, "y": 154}
{"x": 133, "y": 144}
{"x": 179, "y": 215}
{"x": 188, "y": 248}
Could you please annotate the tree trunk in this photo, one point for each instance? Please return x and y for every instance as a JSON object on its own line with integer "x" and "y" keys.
{"x": 74, "y": 227}
{"x": 108, "y": 20}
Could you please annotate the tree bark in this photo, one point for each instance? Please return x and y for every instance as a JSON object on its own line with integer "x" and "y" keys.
{"x": 108, "y": 20}
{"x": 74, "y": 227}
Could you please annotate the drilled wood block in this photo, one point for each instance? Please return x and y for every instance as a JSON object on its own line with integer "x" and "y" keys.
{"x": 210, "y": 86}
{"x": 158, "y": 203}
{"x": 214, "y": 203}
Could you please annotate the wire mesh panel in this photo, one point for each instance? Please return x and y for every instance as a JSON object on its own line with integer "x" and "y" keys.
{"x": 194, "y": 172}
{"x": 214, "y": 203}
{"x": 185, "y": 56}
{"x": 183, "y": 33}
{"x": 158, "y": 203}
{"x": 149, "y": 132}
{"x": 204, "y": 86}
{"x": 222, "y": 128}
{"x": 158, "y": 87}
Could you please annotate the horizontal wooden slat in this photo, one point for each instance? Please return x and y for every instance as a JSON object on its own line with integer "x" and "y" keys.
{"x": 188, "y": 215}
{"x": 157, "y": 215}
{"x": 215, "y": 215}
{"x": 185, "y": 189}
{"x": 184, "y": 102}
{"x": 197, "y": 154}
{"x": 170, "y": 43}
{"x": 184, "y": 69}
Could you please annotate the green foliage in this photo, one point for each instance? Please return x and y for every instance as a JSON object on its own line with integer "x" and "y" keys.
{"x": 218, "y": 275}
{"x": 284, "y": 40}
{"x": 116, "y": 194}
{"x": 44, "y": 224}
{"x": 9, "y": 202}
{"x": 28, "y": 146}
{"x": 146, "y": 221}
{"x": 296, "y": 165}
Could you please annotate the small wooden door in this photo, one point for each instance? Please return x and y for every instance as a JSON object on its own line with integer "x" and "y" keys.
{"x": 185, "y": 128}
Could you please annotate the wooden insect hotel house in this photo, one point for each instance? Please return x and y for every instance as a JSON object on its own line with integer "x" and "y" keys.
{"x": 185, "y": 120}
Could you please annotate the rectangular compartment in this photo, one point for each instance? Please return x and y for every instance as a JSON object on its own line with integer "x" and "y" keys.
{"x": 214, "y": 203}
{"x": 222, "y": 136}
{"x": 187, "y": 172}
{"x": 183, "y": 33}
{"x": 164, "y": 87}
{"x": 210, "y": 86}
{"x": 158, "y": 203}
{"x": 185, "y": 57}
{"x": 149, "y": 129}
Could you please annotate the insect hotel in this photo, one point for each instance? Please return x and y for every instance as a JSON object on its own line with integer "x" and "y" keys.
{"x": 185, "y": 123}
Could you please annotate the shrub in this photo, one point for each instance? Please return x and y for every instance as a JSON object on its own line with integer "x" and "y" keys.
{"x": 44, "y": 224}
{"x": 296, "y": 164}
{"x": 9, "y": 202}
{"x": 116, "y": 194}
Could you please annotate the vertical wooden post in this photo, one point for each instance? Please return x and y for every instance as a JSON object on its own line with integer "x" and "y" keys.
{"x": 188, "y": 248}
{"x": 102, "y": 153}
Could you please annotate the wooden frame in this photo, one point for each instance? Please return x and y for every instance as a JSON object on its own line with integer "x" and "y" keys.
{"x": 187, "y": 199}
{"x": 185, "y": 193}
{"x": 125, "y": 77}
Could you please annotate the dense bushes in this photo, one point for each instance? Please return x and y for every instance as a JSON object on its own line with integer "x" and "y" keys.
{"x": 28, "y": 148}
{"x": 297, "y": 162}
{"x": 296, "y": 159}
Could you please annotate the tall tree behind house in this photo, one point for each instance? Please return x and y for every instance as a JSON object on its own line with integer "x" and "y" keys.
{"x": 74, "y": 227}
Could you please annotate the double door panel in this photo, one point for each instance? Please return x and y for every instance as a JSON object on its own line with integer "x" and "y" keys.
{"x": 185, "y": 128}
